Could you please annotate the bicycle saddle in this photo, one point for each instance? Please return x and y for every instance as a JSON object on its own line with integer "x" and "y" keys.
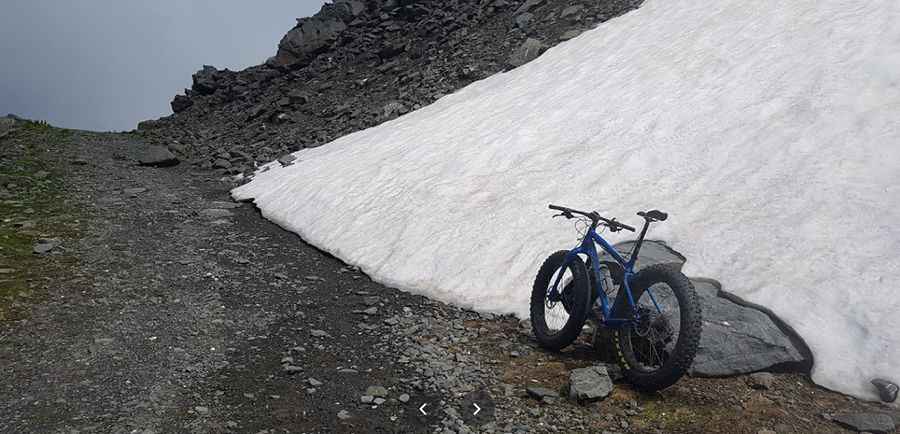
{"x": 654, "y": 215}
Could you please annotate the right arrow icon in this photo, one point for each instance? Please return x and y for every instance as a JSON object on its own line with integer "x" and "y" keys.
{"x": 477, "y": 409}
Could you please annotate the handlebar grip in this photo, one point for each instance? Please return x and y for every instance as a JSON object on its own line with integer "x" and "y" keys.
{"x": 558, "y": 208}
{"x": 626, "y": 227}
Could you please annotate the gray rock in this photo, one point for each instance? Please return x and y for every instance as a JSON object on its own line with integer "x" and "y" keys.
{"x": 158, "y": 156}
{"x": 133, "y": 192}
{"x": 878, "y": 423}
{"x": 761, "y": 380}
{"x": 307, "y": 39}
{"x": 540, "y": 393}
{"x": 314, "y": 383}
{"x": 318, "y": 333}
{"x": 201, "y": 410}
{"x": 205, "y": 81}
{"x": 571, "y": 12}
{"x": 366, "y": 399}
{"x": 215, "y": 213}
{"x": 218, "y": 204}
{"x": 569, "y": 34}
{"x": 371, "y": 311}
{"x": 887, "y": 390}
{"x": 404, "y": 398}
{"x": 524, "y": 20}
{"x": 528, "y": 51}
{"x": 181, "y": 103}
{"x": 352, "y": 7}
{"x": 287, "y": 159}
{"x": 529, "y": 5}
{"x": 379, "y": 401}
{"x": 291, "y": 369}
{"x": 377, "y": 391}
{"x": 394, "y": 109}
{"x": 736, "y": 339}
{"x": 44, "y": 246}
{"x": 589, "y": 384}
{"x": 343, "y": 415}
{"x": 221, "y": 163}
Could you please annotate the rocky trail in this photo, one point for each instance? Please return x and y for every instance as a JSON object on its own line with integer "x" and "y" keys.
{"x": 148, "y": 302}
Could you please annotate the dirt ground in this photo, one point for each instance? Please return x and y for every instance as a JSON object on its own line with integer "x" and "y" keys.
{"x": 162, "y": 306}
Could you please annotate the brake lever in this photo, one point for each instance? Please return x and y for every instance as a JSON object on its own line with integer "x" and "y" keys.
{"x": 564, "y": 214}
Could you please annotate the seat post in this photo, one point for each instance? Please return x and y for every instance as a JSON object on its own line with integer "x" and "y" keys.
{"x": 640, "y": 241}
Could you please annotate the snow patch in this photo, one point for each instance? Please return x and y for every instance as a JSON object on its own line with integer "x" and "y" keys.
{"x": 768, "y": 130}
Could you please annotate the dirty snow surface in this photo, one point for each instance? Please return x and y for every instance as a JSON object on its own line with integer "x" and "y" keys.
{"x": 768, "y": 130}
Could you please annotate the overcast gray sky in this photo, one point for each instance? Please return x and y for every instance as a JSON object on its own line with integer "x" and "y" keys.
{"x": 108, "y": 64}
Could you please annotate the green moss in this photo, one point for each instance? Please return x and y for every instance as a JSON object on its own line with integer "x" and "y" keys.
{"x": 670, "y": 417}
{"x": 32, "y": 206}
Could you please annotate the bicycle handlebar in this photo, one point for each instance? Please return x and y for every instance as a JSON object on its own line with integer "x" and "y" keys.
{"x": 611, "y": 223}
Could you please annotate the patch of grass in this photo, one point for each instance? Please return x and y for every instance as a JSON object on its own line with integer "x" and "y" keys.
{"x": 33, "y": 205}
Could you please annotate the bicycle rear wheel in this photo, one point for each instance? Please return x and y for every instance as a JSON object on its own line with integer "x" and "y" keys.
{"x": 557, "y": 316}
{"x": 660, "y": 348}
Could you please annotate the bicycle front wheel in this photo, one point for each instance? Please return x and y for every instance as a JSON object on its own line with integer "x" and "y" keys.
{"x": 557, "y": 315}
{"x": 660, "y": 347}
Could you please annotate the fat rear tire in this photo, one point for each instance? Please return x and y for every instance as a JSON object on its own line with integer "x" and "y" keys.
{"x": 679, "y": 361}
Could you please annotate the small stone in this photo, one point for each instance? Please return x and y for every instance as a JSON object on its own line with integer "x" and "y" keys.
{"x": 219, "y": 204}
{"x": 367, "y": 399}
{"x": 541, "y": 392}
{"x": 44, "y": 246}
{"x": 318, "y": 333}
{"x": 379, "y": 401}
{"x": 528, "y": 51}
{"x": 571, "y": 12}
{"x": 202, "y": 411}
{"x": 371, "y": 300}
{"x": 761, "y": 380}
{"x": 588, "y": 384}
{"x": 404, "y": 398}
{"x": 287, "y": 160}
{"x": 343, "y": 415}
{"x": 133, "y": 192}
{"x": 569, "y": 35}
{"x": 215, "y": 213}
{"x": 291, "y": 369}
{"x": 315, "y": 383}
{"x": 158, "y": 156}
{"x": 377, "y": 391}
{"x": 887, "y": 390}
{"x": 878, "y": 423}
{"x": 371, "y": 311}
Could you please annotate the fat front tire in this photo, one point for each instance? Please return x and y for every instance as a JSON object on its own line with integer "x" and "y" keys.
{"x": 676, "y": 352}
{"x": 573, "y": 301}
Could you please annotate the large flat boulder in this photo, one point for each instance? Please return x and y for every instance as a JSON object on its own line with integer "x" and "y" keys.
{"x": 737, "y": 337}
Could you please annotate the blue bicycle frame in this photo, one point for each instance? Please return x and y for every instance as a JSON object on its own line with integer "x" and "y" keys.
{"x": 589, "y": 248}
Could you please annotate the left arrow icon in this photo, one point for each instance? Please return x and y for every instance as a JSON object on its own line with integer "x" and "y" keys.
{"x": 422, "y": 409}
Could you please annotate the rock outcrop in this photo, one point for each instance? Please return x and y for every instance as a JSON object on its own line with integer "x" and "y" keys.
{"x": 356, "y": 64}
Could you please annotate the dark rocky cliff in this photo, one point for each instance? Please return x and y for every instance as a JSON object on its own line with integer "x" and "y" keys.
{"x": 356, "y": 64}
